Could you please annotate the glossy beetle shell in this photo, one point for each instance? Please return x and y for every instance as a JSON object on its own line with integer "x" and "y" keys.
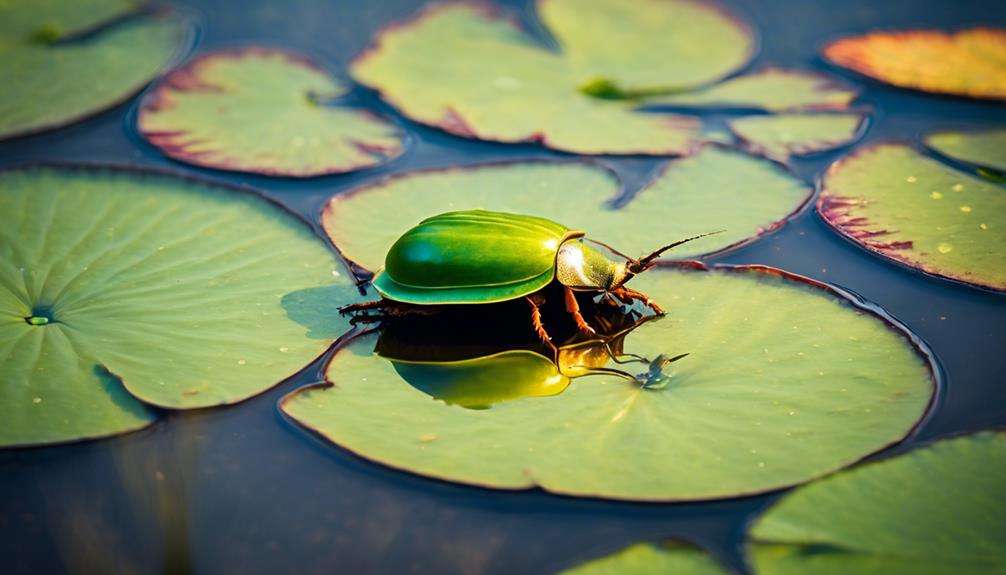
{"x": 474, "y": 256}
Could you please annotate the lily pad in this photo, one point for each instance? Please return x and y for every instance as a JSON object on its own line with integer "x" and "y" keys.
{"x": 771, "y": 89}
{"x": 782, "y": 136}
{"x": 50, "y": 83}
{"x": 262, "y": 110}
{"x": 902, "y": 205}
{"x": 787, "y": 380}
{"x": 714, "y": 189}
{"x": 983, "y": 149}
{"x": 969, "y": 62}
{"x": 644, "y": 558}
{"x": 935, "y": 510}
{"x": 119, "y": 287}
{"x": 469, "y": 70}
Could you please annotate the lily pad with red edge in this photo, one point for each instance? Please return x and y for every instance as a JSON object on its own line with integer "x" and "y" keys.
{"x": 986, "y": 149}
{"x": 263, "y": 110}
{"x": 902, "y": 205}
{"x": 969, "y": 62}
{"x": 787, "y": 380}
{"x": 936, "y": 510}
{"x": 122, "y": 288}
{"x": 468, "y": 69}
{"x": 779, "y": 137}
{"x": 671, "y": 557}
{"x": 49, "y": 67}
{"x": 714, "y": 189}
{"x": 770, "y": 89}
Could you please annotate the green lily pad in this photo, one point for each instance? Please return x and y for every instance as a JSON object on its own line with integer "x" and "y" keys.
{"x": 936, "y": 510}
{"x": 467, "y": 69}
{"x": 786, "y": 381}
{"x": 119, "y": 287}
{"x": 771, "y": 89}
{"x": 902, "y": 205}
{"x": 983, "y": 149}
{"x": 968, "y": 62}
{"x": 785, "y": 135}
{"x": 50, "y": 84}
{"x": 714, "y": 189}
{"x": 257, "y": 110}
{"x": 49, "y": 20}
{"x": 644, "y": 558}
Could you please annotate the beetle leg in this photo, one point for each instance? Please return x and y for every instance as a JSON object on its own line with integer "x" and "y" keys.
{"x": 623, "y": 292}
{"x": 573, "y": 307}
{"x": 534, "y": 301}
{"x": 363, "y": 306}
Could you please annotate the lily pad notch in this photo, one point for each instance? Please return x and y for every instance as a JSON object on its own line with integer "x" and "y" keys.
{"x": 134, "y": 288}
{"x": 513, "y": 84}
{"x": 432, "y": 439}
{"x": 264, "y": 110}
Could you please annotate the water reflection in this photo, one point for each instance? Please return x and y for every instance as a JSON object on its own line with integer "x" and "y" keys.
{"x": 491, "y": 356}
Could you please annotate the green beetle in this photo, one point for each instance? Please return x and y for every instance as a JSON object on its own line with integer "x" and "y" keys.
{"x": 483, "y": 257}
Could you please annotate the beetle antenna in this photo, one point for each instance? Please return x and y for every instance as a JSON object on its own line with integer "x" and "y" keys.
{"x": 645, "y": 263}
{"x": 609, "y": 248}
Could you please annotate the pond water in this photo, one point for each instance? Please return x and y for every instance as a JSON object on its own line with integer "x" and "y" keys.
{"x": 244, "y": 490}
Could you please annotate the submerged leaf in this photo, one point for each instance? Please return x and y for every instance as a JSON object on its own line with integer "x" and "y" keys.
{"x": 785, "y": 381}
{"x": 714, "y": 189}
{"x": 47, "y": 84}
{"x": 262, "y": 110}
{"x": 936, "y": 510}
{"x": 771, "y": 89}
{"x": 468, "y": 70}
{"x": 144, "y": 287}
{"x": 984, "y": 149}
{"x": 902, "y": 205}
{"x": 969, "y": 62}
{"x": 671, "y": 558}
{"x": 779, "y": 137}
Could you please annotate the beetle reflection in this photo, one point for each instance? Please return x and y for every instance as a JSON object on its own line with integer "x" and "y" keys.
{"x": 478, "y": 368}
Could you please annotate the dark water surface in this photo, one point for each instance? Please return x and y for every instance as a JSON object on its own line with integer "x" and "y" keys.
{"x": 243, "y": 490}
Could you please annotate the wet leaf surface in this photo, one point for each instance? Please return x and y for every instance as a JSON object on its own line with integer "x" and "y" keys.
{"x": 935, "y": 510}
{"x": 262, "y": 110}
{"x": 48, "y": 84}
{"x": 785, "y": 382}
{"x": 970, "y": 62}
{"x": 902, "y": 205}
{"x": 983, "y": 149}
{"x": 785, "y": 135}
{"x": 467, "y": 69}
{"x": 771, "y": 89}
{"x": 714, "y": 189}
{"x": 645, "y": 558}
{"x": 121, "y": 287}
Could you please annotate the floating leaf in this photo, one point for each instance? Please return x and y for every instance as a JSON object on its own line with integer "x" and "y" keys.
{"x": 899, "y": 204}
{"x": 970, "y": 62}
{"x": 785, "y": 381}
{"x": 779, "y": 137}
{"x": 44, "y": 21}
{"x": 771, "y": 89}
{"x": 936, "y": 510}
{"x": 117, "y": 285}
{"x": 643, "y": 558}
{"x": 47, "y": 84}
{"x": 714, "y": 189}
{"x": 985, "y": 149}
{"x": 257, "y": 110}
{"x": 466, "y": 69}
